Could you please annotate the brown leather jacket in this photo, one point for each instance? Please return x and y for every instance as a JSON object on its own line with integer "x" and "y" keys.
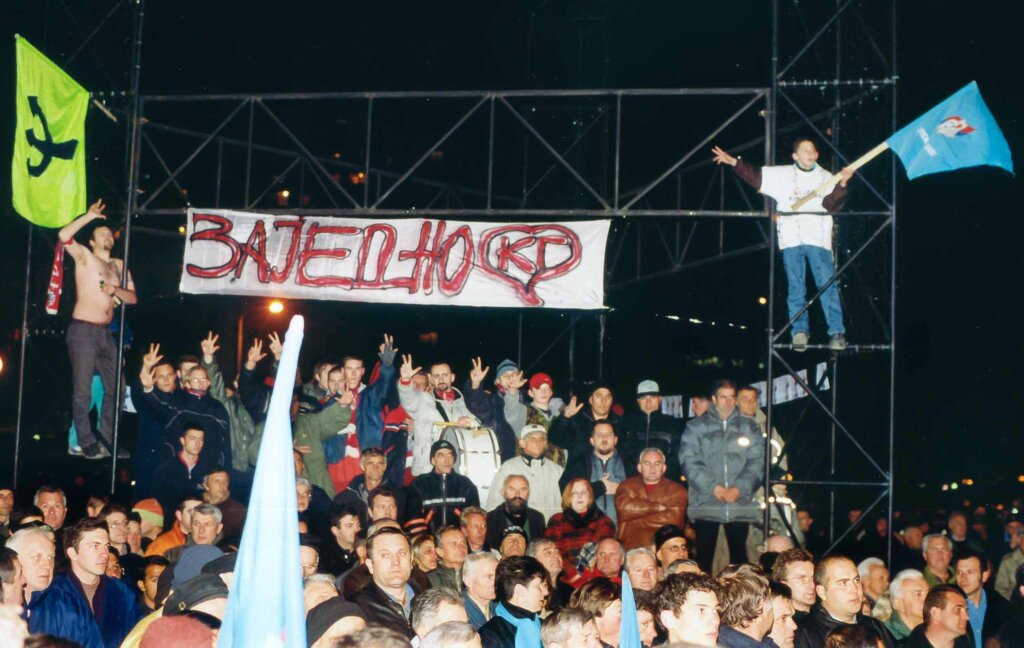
{"x": 640, "y": 514}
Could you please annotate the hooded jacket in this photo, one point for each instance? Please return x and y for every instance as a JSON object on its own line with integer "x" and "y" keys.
{"x": 426, "y": 409}
{"x": 729, "y": 453}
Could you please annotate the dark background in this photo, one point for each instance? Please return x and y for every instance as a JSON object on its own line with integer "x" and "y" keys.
{"x": 958, "y": 381}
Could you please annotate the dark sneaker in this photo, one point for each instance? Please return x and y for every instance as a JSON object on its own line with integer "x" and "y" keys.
{"x": 838, "y": 342}
{"x": 800, "y": 341}
{"x": 75, "y": 450}
{"x": 95, "y": 451}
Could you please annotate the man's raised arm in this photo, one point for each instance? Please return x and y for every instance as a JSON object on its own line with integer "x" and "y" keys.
{"x": 67, "y": 233}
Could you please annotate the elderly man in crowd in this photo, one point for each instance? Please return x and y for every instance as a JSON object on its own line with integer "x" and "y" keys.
{"x": 541, "y": 473}
{"x": 906, "y": 595}
{"x": 649, "y": 501}
{"x": 938, "y": 554}
{"x": 478, "y": 587}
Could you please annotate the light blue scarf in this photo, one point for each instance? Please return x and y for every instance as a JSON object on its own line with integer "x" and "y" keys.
{"x": 527, "y": 630}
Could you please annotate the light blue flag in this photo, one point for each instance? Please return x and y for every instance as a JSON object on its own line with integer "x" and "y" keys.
{"x": 265, "y": 605}
{"x": 959, "y": 132}
{"x": 629, "y": 628}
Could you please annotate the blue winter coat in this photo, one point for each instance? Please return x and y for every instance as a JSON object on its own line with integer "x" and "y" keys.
{"x": 63, "y": 611}
{"x": 728, "y": 453}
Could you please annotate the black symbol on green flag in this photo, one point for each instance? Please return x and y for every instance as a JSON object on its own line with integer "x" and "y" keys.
{"x": 46, "y": 146}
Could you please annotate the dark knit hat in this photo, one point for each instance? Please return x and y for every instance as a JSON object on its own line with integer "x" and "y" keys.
{"x": 666, "y": 533}
{"x": 443, "y": 444}
{"x": 321, "y": 617}
{"x": 202, "y": 588}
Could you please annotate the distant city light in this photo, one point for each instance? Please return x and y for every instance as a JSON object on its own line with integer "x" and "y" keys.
{"x": 762, "y": 300}
{"x": 181, "y": 229}
{"x": 672, "y": 317}
{"x": 285, "y": 193}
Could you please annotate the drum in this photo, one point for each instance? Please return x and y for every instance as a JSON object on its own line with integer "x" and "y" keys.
{"x": 479, "y": 457}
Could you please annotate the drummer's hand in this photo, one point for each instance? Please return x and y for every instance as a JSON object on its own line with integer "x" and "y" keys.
{"x": 465, "y": 421}
{"x": 478, "y": 372}
{"x": 572, "y": 408}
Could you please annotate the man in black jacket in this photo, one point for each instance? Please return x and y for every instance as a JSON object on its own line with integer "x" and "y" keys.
{"x": 945, "y": 620}
{"x": 839, "y": 603}
{"x": 436, "y": 499}
{"x": 521, "y": 585}
{"x": 514, "y": 512}
{"x": 488, "y": 405}
{"x": 387, "y": 600}
{"x": 571, "y": 430}
{"x": 648, "y": 427}
{"x": 604, "y": 466}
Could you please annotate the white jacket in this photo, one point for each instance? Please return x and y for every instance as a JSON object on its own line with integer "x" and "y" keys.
{"x": 422, "y": 408}
{"x": 543, "y": 475}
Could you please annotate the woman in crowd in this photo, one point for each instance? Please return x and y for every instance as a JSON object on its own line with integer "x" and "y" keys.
{"x": 580, "y": 523}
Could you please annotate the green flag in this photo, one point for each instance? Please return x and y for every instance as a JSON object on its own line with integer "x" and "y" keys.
{"x": 48, "y": 171}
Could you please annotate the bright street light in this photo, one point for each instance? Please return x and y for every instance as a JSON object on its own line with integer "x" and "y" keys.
{"x": 276, "y": 307}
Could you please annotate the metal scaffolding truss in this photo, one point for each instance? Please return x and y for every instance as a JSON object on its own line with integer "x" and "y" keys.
{"x": 822, "y": 56}
{"x": 566, "y": 154}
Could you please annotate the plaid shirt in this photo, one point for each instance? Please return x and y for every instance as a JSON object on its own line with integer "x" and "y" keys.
{"x": 573, "y": 533}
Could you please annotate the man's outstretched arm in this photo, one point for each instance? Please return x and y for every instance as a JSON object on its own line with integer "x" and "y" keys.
{"x": 67, "y": 233}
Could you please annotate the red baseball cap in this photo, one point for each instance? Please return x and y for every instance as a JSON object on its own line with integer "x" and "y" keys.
{"x": 539, "y": 379}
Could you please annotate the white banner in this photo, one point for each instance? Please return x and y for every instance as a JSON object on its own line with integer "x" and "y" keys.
{"x": 413, "y": 261}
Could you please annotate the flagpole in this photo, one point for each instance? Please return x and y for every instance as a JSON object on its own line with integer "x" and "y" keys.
{"x": 834, "y": 180}
{"x": 21, "y": 362}
{"x": 132, "y": 169}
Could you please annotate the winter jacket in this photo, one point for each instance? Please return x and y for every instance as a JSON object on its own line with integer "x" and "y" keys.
{"x": 446, "y": 577}
{"x": 727, "y": 453}
{"x": 542, "y": 474}
{"x": 62, "y": 610}
{"x": 149, "y": 448}
{"x": 1005, "y": 577}
{"x": 489, "y": 407}
{"x": 530, "y": 521}
{"x": 313, "y": 430}
{"x": 425, "y": 410}
{"x": 570, "y": 531}
{"x": 499, "y": 633}
{"x": 383, "y": 610}
{"x": 180, "y": 408}
{"x": 918, "y": 639}
{"x": 729, "y": 638}
{"x": 573, "y": 433}
{"x": 370, "y": 408}
{"x": 437, "y": 500}
{"x": 816, "y": 626}
{"x": 356, "y": 495}
{"x": 242, "y": 428}
{"x": 174, "y": 480}
{"x": 641, "y": 513}
{"x": 638, "y": 431}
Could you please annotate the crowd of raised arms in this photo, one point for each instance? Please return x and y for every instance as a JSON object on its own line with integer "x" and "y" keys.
{"x": 487, "y": 512}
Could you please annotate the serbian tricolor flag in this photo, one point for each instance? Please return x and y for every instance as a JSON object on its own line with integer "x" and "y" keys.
{"x": 960, "y": 132}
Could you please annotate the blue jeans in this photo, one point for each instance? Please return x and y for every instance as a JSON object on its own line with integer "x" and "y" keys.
{"x": 822, "y": 268}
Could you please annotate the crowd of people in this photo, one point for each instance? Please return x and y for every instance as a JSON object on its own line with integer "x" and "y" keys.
{"x": 499, "y": 512}
{"x": 399, "y": 548}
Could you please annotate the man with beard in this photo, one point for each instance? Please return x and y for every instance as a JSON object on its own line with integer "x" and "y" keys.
{"x": 839, "y": 592}
{"x": 91, "y": 347}
{"x": 572, "y": 429}
{"x": 603, "y": 466}
{"x": 84, "y": 604}
{"x": 442, "y": 404}
{"x": 514, "y": 512}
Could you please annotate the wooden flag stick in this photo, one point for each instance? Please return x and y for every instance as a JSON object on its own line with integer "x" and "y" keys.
{"x": 829, "y": 184}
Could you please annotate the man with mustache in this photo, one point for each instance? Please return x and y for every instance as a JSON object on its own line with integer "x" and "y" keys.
{"x": 514, "y": 512}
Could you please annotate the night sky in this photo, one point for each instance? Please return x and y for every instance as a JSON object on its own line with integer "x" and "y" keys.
{"x": 959, "y": 382}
